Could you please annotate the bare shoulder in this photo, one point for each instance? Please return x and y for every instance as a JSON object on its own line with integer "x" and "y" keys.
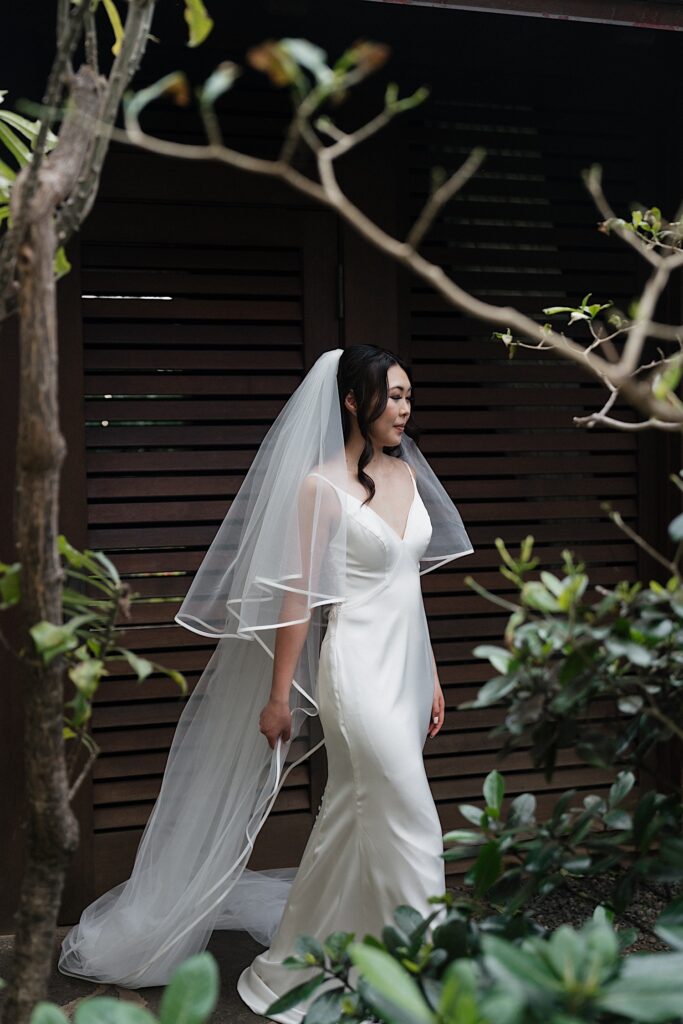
{"x": 408, "y": 467}
{"x": 313, "y": 484}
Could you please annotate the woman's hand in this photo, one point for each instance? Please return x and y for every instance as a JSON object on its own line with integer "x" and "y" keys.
{"x": 275, "y": 721}
{"x": 438, "y": 710}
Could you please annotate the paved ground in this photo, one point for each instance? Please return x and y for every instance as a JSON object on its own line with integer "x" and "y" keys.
{"x": 232, "y": 950}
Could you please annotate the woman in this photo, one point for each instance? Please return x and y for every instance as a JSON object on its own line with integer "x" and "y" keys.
{"x": 376, "y": 842}
{"x": 328, "y": 533}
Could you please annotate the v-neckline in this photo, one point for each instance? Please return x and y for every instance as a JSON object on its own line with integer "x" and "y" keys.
{"x": 383, "y": 520}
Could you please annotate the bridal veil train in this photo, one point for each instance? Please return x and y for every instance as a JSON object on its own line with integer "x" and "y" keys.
{"x": 278, "y": 538}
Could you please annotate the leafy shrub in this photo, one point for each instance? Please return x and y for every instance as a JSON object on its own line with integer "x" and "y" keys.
{"x": 469, "y": 973}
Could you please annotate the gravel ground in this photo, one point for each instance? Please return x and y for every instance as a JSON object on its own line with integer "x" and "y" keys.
{"x": 574, "y": 904}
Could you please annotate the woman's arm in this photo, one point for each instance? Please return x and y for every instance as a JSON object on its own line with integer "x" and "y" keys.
{"x": 316, "y": 504}
{"x": 276, "y": 718}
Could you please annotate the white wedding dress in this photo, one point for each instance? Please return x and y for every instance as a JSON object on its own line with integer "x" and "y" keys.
{"x": 376, "y": 842}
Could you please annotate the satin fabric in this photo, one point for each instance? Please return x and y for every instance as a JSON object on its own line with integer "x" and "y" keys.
{"x": 376, "y": 842}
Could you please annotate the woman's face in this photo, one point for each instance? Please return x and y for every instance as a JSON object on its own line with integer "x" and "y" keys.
{"x": 387, "y": 430}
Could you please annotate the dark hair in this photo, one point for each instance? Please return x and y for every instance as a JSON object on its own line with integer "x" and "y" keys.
{"x": 363, "y": 369}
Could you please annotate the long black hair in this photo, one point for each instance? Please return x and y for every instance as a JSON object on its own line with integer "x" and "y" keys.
{"x": 363, "y": 369}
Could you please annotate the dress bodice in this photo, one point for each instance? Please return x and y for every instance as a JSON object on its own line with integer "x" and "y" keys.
{"x": 374, "y": 550}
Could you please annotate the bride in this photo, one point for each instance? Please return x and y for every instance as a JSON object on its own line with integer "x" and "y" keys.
{"x": 317, "y": 564}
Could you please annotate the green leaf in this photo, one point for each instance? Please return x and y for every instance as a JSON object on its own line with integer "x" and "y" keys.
{"x": 29, "y": 129}
{"x": 14, "y": 144}
{"x": 60, "y": 265}
{"x": 551, "y": 583}
{"x": 198, "y": 21}
{"x": 535, "y": 595}
{"x": 327, "y": 1008}
{"x": 107, "y": 564}
{"x": 308, "y": 55}
{"x": 336, "y": 944}
{"x": 391, "y": 981}
{"x": 564, "y": 951}
{"x": 621, "y": 787}
{"x": 472, "y": 813}
{"x": 408, "y": 919}
{"x": 498, "y": 656}
{"x": 669, "y": 924}
{"x": 191, "y": 996}
{"x": 494, "y": 790}
{"x": 487, "y": 868}
{"x": 86, "y": 676}
{"x": 522, "y": 810}
{"x": 509, "y": 963}
{"x": 177, "y": 677}
{"x": 48, "y": 1013}
{"x": 104, "y": 1010}
{"x": 492, "y": 692}
{"x": 676, "y": 528}
{"x": 310, "y": 949}
{"x": 219, "y": 82}
{"x": 141, "y": 666}
{"x": 618, "y": 819}
{"x": 294, "y": 996}
{"x": 649, "y": 989}
{"x": 630, "y": 705}
{"x": 10, "y": 584}
{"x": 51, "y": 640}
{"x": 463, "y": 837}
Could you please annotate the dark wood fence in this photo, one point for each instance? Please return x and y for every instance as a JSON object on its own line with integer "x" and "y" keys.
{"x": 199, "y": 298}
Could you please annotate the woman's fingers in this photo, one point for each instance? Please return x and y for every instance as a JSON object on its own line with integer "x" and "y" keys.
{"x": 438, "y": 715}
{"x": 272, "y": 726}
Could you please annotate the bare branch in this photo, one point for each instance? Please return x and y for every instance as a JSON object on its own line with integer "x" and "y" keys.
{"x": 596, "y": 419}
{"x": 91, "y": 56}
{"x": 136, "y": 32}
{"x": 646, "y": 307}
{"x": 594, "y": 186}
{"x": 441, "y": 196}
{"x": 616, "y": 518}
{"x": 83, "y": 774}
{"x": 617, "y": 372}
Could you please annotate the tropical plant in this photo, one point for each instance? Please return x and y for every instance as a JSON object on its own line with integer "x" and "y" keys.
{"x": 461, "y": 972}
{"x": 572, "y": 653}
{"x": 517, "y": 858}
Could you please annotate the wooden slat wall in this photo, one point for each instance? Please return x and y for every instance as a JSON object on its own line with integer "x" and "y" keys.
{"x": 499, "y": 433}
{"x": 199, "y": 319}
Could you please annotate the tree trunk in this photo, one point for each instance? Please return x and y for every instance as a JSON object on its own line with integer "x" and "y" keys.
{"x": 51, "y": 829}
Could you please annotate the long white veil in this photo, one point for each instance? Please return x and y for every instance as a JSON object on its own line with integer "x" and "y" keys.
{"x": 278, "y": 558}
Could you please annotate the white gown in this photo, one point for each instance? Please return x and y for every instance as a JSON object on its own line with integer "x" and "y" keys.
{"x": 377, "y": 840}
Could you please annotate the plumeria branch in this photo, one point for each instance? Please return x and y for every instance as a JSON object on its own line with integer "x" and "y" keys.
{"x": 285, "y": 62}
{"x": 601, "y": 359}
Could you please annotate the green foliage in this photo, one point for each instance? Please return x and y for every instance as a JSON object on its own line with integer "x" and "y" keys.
{"x": 293, "y": 63}
{"x": 198, "y": 21}
{"x": 17, "y": 142}
{"x": 650, "y": 226}
{"x": 10, "y": 586}
{"x": 518, "y": 858}
{"x": 568, "y": 656}
{"x": 190, "y": 998}
{"x": 94, "y": 599}
{"x": 485, "y": 973}
{"x": 584, "y": 311}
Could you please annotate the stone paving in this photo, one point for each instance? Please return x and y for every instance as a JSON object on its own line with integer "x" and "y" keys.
{"x": 233, "y": 952}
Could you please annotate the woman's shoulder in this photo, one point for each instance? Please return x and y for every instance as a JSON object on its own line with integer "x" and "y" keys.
{"x": 313, "y": 483}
